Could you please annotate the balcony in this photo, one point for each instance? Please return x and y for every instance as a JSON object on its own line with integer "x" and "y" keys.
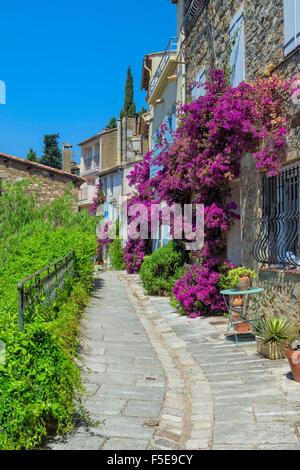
{"x": 193, "y": 11}
{"x": 165, "y": 68}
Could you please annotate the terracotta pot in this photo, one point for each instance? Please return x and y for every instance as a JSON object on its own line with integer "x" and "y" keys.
{"x": 244, "y": 283}
{"x": 270, "y": 350}
{"x": 237, "y": 301}
{"x": 294, "y": 360}
{"x": 240, "y": 327}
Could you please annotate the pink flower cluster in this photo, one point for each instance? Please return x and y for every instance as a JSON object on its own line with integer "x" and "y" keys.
{"x": 98, "y": 199}
{"x": 198, "y": 291}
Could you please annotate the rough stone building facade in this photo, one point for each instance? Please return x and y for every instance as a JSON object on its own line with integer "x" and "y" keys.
{"x": 47, "y": 183}
{"x": 268, "y": 41}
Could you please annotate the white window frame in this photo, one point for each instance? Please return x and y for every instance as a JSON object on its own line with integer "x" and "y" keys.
{"x": 291, "y": 25}
{"x": 197, "y": 92}
{"x": 239, "y": 43}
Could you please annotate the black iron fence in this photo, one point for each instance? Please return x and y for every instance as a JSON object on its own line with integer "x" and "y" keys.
{"x": 278, "y": 242}
{"x": 44, "y": 285}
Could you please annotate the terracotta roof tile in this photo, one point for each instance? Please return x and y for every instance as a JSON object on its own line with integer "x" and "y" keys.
{"x": 40, "y": 165}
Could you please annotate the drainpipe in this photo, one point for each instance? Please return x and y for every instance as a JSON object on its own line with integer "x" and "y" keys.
{"x": 119, "y": 144}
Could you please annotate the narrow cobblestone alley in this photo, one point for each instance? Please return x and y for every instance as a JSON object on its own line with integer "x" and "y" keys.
{"x": 156, "y": 380}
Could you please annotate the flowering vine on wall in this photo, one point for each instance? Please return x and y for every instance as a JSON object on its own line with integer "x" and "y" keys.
{"x": 214, "y": 132}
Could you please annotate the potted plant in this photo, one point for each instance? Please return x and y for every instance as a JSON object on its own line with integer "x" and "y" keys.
{"x": 271, "y": 337}
{"x": 292, "y": 351}
{"x": 240, "y": 278}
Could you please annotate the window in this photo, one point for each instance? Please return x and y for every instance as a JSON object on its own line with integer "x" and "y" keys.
{"x": 104, "y": 185}
{"x": 89, "y": 159}
{"x": 96, "y": 157}
{"x": 278, "y": 242}
{"x": 237, "y": 57}
{"x": 291, "y": 25}
{"x": 201, "y": 78}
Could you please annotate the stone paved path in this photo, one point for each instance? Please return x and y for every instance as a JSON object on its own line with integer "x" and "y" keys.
{"x": 161, "y": 381}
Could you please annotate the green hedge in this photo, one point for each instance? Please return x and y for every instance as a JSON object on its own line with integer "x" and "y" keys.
{"x": 159, "y": 269}
{"x": 39, "y": 380}
{"x": 115, "y": 252}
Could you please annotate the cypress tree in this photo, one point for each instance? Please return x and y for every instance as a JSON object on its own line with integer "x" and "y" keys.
{"x": 31, "y": 156}
{"x": 112, "y": 124}
{"x": 129, "y": 105}
{"x": 52, "y": 154}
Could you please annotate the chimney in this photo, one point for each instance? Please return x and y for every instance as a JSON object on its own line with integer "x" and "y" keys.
{"x": 67, "y": 148}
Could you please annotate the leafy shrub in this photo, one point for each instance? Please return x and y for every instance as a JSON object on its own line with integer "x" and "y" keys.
{"x": 159, "y": 269}
{"x": 37, "y": 385}
{"x": 39, "y": 381}
{"x": 115, "y": 252}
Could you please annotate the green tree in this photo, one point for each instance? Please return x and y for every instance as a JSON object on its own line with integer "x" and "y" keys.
{"x": 143, "y": 111}
{"x": 112, "y": 123}
{"x": 31, "y": 156}
{"x": 129, "y": 105}
{"x": 52, "y": 154}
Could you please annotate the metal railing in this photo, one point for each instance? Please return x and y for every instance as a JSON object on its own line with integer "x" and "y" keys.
{"x": 193, "y": 10}
{"x": 44, "y": 283}
{"x": 278, "y": 242}
{"x": 170, "y": 49}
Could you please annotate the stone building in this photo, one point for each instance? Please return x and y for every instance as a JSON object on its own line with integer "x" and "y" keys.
{"x": 48, "y": 183}
{"x": 267, "y": 237}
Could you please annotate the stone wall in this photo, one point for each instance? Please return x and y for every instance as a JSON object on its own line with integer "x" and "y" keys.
{"x": 206, "y": 45}
{"x": 47, "y": 184}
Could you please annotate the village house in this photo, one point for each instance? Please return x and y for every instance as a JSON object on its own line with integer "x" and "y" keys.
{"x": 266, "y": 238}
{"x": 46, "y": 182}
{"x": 132, "y": 145}
{"x": 98, "y": 153}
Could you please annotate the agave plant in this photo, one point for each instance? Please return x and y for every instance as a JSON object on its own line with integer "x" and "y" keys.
{"x": 275, "y": 330}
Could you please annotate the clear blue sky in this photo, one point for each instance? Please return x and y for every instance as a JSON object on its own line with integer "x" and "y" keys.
{"x": 65, "y": 64}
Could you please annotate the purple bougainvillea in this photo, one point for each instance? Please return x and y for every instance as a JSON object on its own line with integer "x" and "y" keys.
{"x": 200, "y": 162}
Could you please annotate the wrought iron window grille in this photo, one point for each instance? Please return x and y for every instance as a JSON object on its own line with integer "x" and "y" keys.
{"x": 193, "y": 10}
{"x": 278, "y": 242}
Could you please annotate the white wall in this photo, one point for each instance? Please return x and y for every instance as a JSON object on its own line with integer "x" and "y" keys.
{"x": 234, "y": 241}
{"x": 162, "y": 110}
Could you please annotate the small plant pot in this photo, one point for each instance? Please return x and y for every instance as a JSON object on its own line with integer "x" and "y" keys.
{"x": 240, "y": 327}
{"x": 294, "y": 361}
{"x": 244, "y": 283}
{"x": 237, "y": 301}
{"x": 270, "y": 350}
